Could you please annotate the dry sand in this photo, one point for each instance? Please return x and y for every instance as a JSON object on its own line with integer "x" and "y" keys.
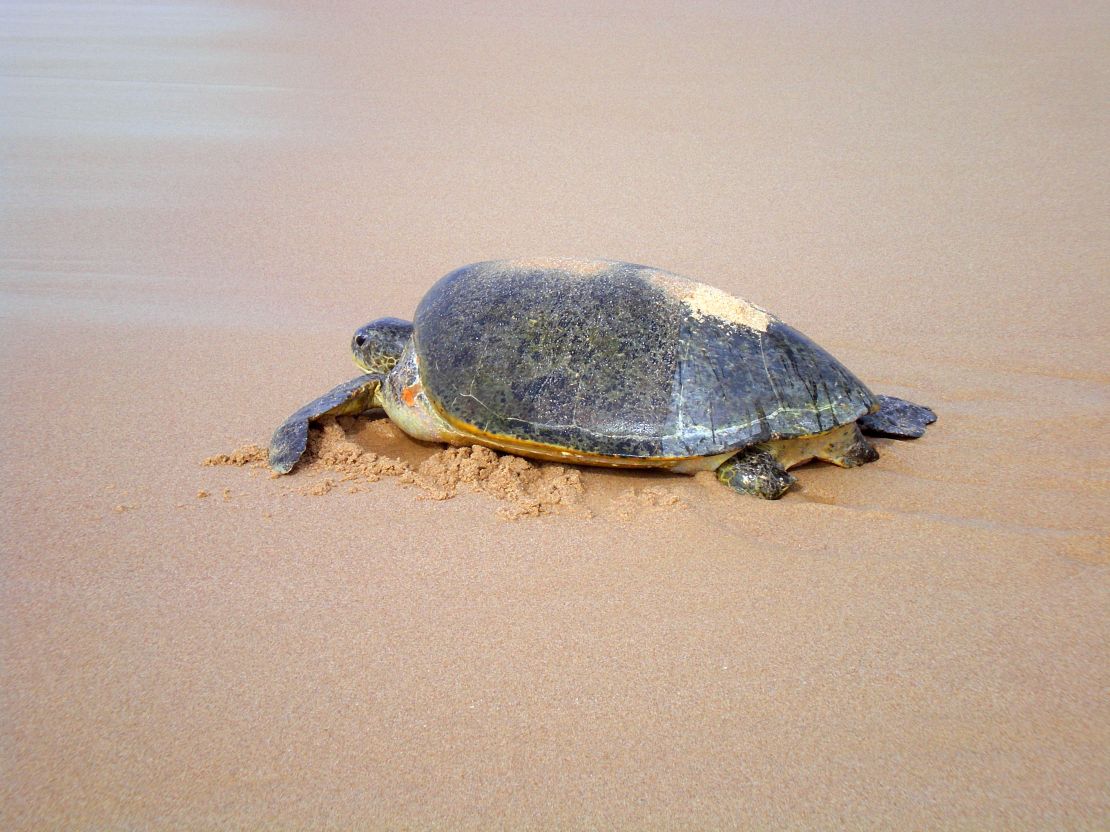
{"x": 201, "y": 202}
{"x": 351, "y": 452}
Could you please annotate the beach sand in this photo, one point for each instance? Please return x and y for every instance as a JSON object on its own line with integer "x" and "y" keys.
{"x": 201, "y": 203}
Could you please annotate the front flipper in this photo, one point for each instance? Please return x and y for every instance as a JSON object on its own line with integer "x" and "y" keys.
{"x": 897, "y": 419}
{"x": 291, "y": 439}
{"x": 755, "y": 471}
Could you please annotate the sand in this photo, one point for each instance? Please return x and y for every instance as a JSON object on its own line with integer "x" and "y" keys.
{"x": 202, "y": 202}
{"x": 346, "y": 451}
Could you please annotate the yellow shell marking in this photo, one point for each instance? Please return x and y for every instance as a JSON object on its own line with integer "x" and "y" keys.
{"x": 570, "y": 265}
{"x": 538, "y": 450}
{"x": 709, "y": 301}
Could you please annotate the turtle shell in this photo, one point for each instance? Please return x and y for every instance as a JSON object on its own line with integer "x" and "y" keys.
{"x": 621, "y": 360}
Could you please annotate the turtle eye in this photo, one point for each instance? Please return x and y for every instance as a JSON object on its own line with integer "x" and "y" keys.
{"x": 360, "y": 339}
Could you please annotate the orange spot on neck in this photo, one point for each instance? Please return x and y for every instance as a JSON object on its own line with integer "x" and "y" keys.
{"x": 409, "y": 394}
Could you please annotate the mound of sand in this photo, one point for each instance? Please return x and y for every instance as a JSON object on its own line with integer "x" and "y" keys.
{"x": 336, "y": 457}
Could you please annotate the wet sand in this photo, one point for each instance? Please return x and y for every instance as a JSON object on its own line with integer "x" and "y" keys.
{"x": 200, "y": 203}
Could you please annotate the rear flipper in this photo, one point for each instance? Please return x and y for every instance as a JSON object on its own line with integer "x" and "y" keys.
{"x": 755, "y": 471}
{"x": 897, "y": 419}
{"x": 349, "y": 398}
{"x": 848, "y": 448}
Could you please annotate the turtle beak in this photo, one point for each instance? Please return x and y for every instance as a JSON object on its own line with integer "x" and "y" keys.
{"x": 359, "y": 364}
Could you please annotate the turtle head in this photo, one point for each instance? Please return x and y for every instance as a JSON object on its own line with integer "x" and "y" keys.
{"x": 378, "y": 345}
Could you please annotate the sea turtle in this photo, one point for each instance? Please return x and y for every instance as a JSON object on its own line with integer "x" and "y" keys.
{"x": 598, "y": 362}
